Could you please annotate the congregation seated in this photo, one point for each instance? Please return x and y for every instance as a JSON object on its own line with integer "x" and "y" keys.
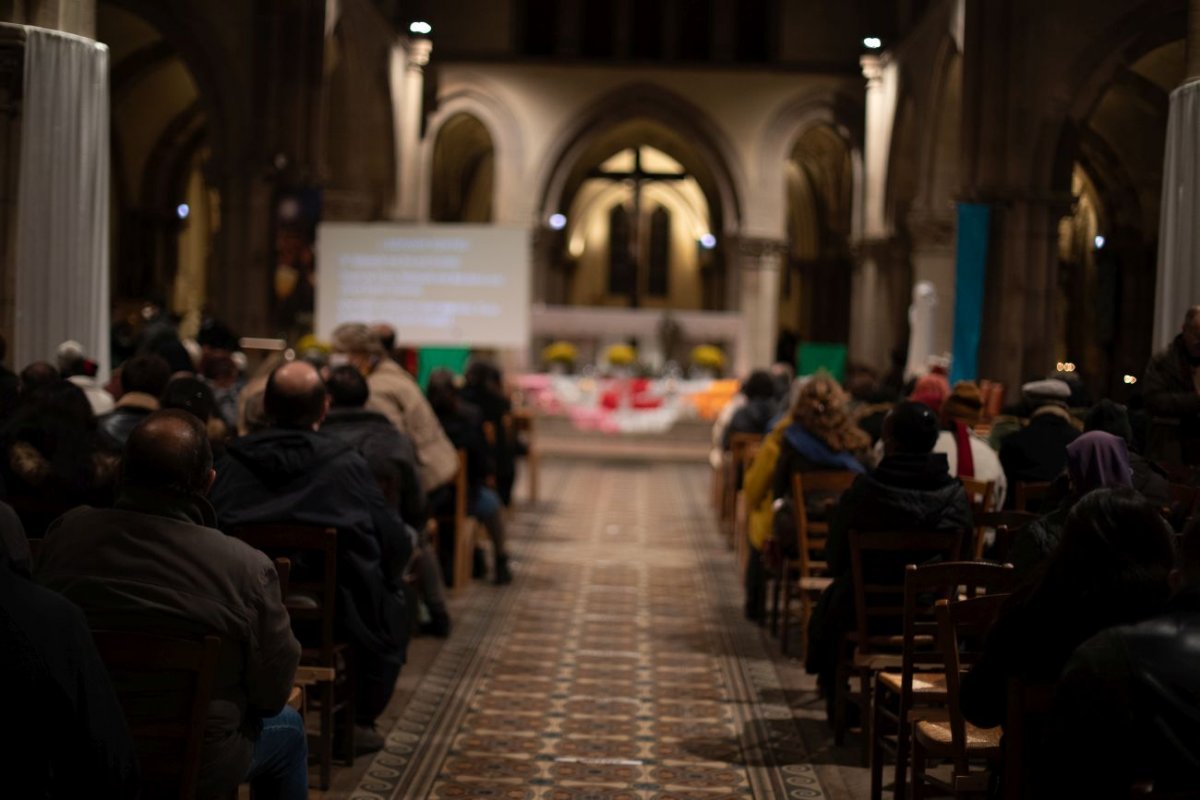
{"x": 483, "y": 387}
{"x": 463, "y": 425}
{"x": 1095, "y": 460}
{"x": 1038, "y": 452}
{"x": 75, "y": 366}
{"x": 1148, "y": 477}
{"x": 758, "y": 410}
{"x": 157, "y": 563}
{"x": 393, "y": 461}
{"x": 1129, "y": 698}
{"x": 289, "y": 472}
{"x": 910, "y": 490}
{"x": 1110, "y": 569}
{"x": 397, "y": 396}
{"x": 968, "y": 454}
{"x": 1170, "y": 389}
{"x": 143, "y": 379}
{"x": 196, "y": 397}
{"x": 54, "y": 456}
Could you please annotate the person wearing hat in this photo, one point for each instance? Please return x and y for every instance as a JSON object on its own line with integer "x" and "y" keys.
{"x": 1038, "y": 452}
{"x": 75, "y": 366}
{"x": 969, "y": 454}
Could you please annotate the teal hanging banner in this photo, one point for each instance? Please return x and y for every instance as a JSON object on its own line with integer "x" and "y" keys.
{"x": 970, "y": 258}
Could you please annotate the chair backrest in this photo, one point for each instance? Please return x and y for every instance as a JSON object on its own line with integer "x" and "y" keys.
{"x": 311, "y": 598}
{"x": 283, "y": 571}
{"x": 1031, "y": 493}
{"x": 1006, "y": 524}
{"x": 879, "y": 585}
{"x": 962, "y": 627}
{"x": 981, "y": 495}
{"x": 164, "y": 685}
{"x": 811, "y": 535}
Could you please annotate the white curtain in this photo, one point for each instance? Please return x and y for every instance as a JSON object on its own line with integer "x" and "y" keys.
{"x": 1179, "y": 229}
{"x": 62, "y": 199}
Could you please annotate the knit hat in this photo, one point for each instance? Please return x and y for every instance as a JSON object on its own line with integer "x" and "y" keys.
{"x": 965, "y": 403}
{"x": 1048, "y": 392}
{"x": 932, "y": 390}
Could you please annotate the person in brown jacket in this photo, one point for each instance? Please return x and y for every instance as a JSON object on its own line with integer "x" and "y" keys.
{"x": 397, "y": 396}
{"x": 156, "y": 562}
{"x": 1172, "y": 390}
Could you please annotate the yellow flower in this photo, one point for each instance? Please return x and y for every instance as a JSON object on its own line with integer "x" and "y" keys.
{"x": 560, "y": 352}
{"x": 707, "y": 356}
{"x": 620, "y": 355}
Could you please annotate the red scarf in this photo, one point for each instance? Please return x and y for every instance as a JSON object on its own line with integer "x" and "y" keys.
{"x": 966, "y": 462}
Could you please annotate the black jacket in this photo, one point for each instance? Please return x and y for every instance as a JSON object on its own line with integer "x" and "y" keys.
{"x": 1172, "y": 399}
{"x": 120, "y": 422}
{"x": 309, "y": 478}
{"x": 464, "y": 429}
{"x": 1037, "y": 452}
{"x": 753, "y": 417}
{"x": 1129, "y": 699}
{"x": 389, "y": 453}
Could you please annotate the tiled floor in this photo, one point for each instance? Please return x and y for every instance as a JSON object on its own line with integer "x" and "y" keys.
{"x": 616, "y": 666}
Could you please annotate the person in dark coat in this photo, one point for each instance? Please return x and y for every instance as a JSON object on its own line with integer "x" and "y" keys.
{"x": 64, "y": 733}
{"x": 143, "y": 379}
{"x": 1171, "y": 387}
{"x": 291, "y": 473}
{"x": 1148, "y": 479}
{"x": 156, "y": 563}
{"x": 760, "y": 407}
{"x": 393, "y": 461}
{"x": 484, "y": 388}
{"x": 1038, "y": 452}
{"x": 910, "y": 490}
{"x": 1110, "y": 569}
{"x": 1129, "y": 698}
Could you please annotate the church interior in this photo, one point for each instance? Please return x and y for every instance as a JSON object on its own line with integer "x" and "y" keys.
{"x": 676, "y": 399}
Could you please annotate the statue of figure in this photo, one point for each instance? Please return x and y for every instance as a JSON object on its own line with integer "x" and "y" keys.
{"x": 920, "y": 326}
{"x": 670, "y": 337}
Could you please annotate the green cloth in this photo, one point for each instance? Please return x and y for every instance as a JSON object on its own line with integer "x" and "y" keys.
{"x": 812, "y": 357}
{"x": 431, "y": 358}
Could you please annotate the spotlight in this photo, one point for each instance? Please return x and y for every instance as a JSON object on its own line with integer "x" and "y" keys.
{"x": 182, "y": 210}
{"x": 1130, "y": 379}
{"x": 872, "y": 43}
{"x": 558, "y": 221}
{"x": 421, "y": 28}
{"x": 708, "y": 241}
{"x": 1099, "y": 240}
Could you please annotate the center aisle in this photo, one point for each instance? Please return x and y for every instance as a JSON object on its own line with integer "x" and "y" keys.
{"x": 615, "y": 666}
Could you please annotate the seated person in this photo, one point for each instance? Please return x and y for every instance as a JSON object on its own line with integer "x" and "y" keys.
{"x": 143, "y": 379}
{"x": 484, "y": 389}
{"x": 1095, "y": 460}
{"x": 194, "y": 395}
{"x": 1110, "y": 569}
{"x": 1148, "y": 479}
{"x": 969, "y": 455}
{"x": 464, "y": 426}
{"x": 755, "y": 415}
{"x": 393, "y": 462}
{"x": 1129, "y": 698}
{"x": 1038, "y": 452}
{"x": 156, "y": 563}
{"x": 289, "y": 472}
{"x": 911, "y": 490}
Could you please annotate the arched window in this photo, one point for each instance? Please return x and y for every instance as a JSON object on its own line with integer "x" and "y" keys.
{"x": 620, "y": 258}
{"x": 660, "y": 253}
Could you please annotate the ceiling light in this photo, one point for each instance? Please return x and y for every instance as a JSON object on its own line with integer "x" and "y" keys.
{"x": 1099, "y": 240}
{"x": 708, "y": 241}
{"x": 421, "y": 28}
{"x": 558, "y": 221}
{"x": 182, "y": 210}
{"x": 872, "y": 43}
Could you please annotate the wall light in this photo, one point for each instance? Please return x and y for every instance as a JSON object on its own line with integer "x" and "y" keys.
{"x": 1130, "y": 379}
{"x": 182, "y": 210}
{"x": 1099, "y": 241}
{"x": 1066, "y": 366}
{"x": 421, "y": 28}
{"x": 708, "y": 241}
{"x": 558, "y": 221}
{"x": 872, "y": 43}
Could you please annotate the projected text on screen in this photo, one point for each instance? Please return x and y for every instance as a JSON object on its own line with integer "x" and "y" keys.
{"x": 437, "y": 285}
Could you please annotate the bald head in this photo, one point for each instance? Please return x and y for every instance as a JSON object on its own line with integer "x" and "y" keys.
{"x": 295, "y": 396}
{"x": 168, "y": 451}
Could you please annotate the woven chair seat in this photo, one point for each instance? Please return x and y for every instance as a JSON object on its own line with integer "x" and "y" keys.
{"x": 926, "y": 686}
{"x": 935, "y": 737}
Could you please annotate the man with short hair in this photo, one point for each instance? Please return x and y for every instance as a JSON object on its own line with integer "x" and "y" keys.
{"x": 1172, "y": 389}
{"x": 289, "y": 472}
{"x": 397, "y": 396}
{"x": 155, "y": 562}
{"x": 143, "y": 379}
{"x": 1129, "y": 699}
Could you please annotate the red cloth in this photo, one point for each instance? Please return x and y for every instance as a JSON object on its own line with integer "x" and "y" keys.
{"x": 966, "y": 461}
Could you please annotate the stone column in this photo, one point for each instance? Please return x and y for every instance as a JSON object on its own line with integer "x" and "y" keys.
{"x": 758, "y": 263}
{"x": 409, "y": 58}
{"x": 1178, "y": 284}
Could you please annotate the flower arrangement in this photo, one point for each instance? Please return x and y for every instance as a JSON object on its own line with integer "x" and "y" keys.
{"x": 560, "y": 352}
{"x": 620, "y": 355}
{"x": 709, "y": 357}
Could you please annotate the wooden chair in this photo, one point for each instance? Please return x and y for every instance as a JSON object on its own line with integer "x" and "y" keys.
{"x": 283, "y": 571}
{"x": 464, "y": 528}
{"x": 899, "y": 696}
{"x": 164, "y": 685}
{"x": 1006, "y": 524}
{"x": 982, "y": 496}
{"x": 877, "y": 639}
{"x": 962, "y": 627}
{"x": 325, "y": 663}
{"x": 805, "y": 576}
{"x": 523, "y": 422}
{"x": 742, "y": 447}
{"x": 1030, "y": 495}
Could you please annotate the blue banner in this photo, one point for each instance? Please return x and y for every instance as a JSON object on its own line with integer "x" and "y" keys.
{"x": 970, "y": 271}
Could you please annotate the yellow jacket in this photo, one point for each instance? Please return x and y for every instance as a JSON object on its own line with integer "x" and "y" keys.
{"x": 757, "y": 486}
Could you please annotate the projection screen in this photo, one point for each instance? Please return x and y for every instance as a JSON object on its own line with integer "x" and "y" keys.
{"x": 443, "y": 285}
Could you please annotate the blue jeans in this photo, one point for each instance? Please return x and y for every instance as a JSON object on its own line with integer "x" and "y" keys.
{"x": 279, "y": 768}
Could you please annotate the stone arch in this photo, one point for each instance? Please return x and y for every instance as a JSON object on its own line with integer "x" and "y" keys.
{"x": 462, "y": 171}
{"x": 502, "y": 129}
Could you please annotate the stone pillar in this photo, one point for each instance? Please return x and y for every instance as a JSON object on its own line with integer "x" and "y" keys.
{"x": 409, "y": 58}
{"x": 1178, "y": 285}
{"x": 758, "y": 264}
{"x": 874, "y": 291}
